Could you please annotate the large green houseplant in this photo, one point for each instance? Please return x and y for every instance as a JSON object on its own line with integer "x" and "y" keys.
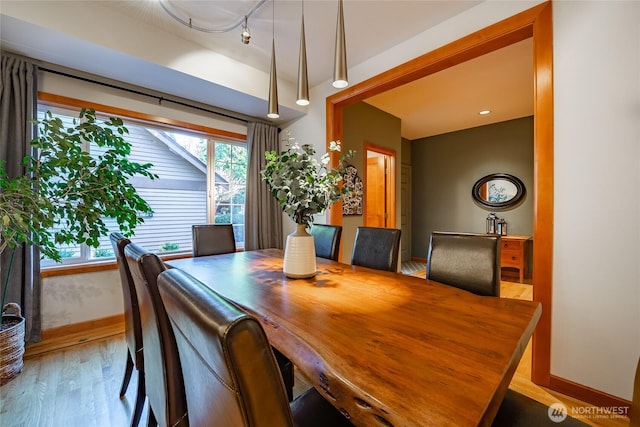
{"x": 66, "y": 192}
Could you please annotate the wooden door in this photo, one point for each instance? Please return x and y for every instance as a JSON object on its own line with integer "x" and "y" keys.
{"x": 380, "y": 187}
{"x": 375, "y": 191}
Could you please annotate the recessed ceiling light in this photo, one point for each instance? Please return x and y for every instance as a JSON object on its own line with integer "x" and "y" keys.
{"x": 484, "y": 112}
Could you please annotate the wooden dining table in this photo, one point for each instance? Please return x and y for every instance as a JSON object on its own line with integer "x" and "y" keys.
{"x": 386, "y": 349}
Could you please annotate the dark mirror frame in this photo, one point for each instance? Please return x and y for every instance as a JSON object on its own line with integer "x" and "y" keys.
{"x": 513, "y": 202}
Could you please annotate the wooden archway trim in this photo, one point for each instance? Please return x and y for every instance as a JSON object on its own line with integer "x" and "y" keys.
{"x": 537, "y": 24}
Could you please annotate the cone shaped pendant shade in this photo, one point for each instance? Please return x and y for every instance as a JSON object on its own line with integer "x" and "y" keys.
{"x": 303, "y": 80}
{"x": 340, "y": 79}
{"x": 273, "y": 77}
{"x": 273, "y": 86}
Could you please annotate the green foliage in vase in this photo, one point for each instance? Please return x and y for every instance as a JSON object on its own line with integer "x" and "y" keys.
{"x": 303, "y": 186}
{"x": 66, "y": 192}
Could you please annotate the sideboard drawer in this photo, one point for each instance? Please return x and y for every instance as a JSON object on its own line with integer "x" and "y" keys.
{"x": 513, "y": 253}
{"x": 513, "y": 245}
{"x": 511, "y": 258}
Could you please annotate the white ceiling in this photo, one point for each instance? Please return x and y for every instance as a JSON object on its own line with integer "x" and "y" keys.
{"x": 501, "y": 81}
{"x": 371, "y": 27}
{"x": 446, "y": 101}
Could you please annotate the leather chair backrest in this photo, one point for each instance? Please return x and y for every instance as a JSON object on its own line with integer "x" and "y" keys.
{"x": 231, "y": 376}
{"x": 163, "y": 374}
{"x": 376, "y": 248}
{"x": 132, "y": 328}
{"x": 213, "y": 239}
{"x": 327, "y": 240}
{"x": 466, "y": 261}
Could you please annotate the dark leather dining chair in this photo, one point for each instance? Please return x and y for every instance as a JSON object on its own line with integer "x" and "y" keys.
{"x": 376, "y": 248}
{"x": 163, "y": 373}
{"x": 213, "y": 239}
{"x": 132, "y": 328}
{"x": 217, "y": 239}
{"x": 466, "y": 261}
{"x": 518, "y": 410}
{"x": 230, "y": 372}
{"x": 327, "y": 240}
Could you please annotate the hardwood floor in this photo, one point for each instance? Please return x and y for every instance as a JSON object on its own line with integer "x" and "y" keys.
{"x": 78, "y": 386}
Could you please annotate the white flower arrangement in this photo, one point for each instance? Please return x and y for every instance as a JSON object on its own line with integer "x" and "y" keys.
{"x": 303, "y": 186}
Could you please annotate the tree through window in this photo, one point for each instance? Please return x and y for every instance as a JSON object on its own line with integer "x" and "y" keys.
{"x": 229, "y": 179}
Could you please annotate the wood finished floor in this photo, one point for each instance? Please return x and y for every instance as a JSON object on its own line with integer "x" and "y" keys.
{"x": 78, "y": 386}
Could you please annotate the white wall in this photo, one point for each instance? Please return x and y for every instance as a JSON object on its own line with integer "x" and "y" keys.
{"x": 73, "y": 88}
{"x": 596, "y": 263}
{"x": 80, "y": 297}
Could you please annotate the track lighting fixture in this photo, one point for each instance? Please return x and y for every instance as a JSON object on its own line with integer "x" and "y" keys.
{"x": 174, "y": 10}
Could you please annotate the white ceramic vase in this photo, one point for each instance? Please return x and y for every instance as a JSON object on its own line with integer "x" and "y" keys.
{"x": 299, "y": 254}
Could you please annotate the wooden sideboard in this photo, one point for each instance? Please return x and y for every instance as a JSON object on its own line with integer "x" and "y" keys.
{"x": 513, "y": 253}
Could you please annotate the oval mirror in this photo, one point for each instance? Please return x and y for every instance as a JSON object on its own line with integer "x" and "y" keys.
{"x": 498, "y": 191}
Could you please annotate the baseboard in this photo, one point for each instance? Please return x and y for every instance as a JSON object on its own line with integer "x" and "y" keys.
{"x": 415, "y": 259}
{"x": 589, "y": 395}
{"x": 77, "y": 333}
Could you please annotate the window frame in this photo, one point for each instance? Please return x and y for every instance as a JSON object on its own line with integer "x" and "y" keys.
{"x": 211, "y": 134}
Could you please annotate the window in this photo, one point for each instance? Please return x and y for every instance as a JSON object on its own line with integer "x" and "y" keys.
{"x": 190, "y": 168}
{"x": 230, "y": 184}
{"x": 228, "y": 181}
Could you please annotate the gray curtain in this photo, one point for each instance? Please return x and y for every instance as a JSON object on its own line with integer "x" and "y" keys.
{"x": 18, "y": 107}
{"x": 263, "y": 216}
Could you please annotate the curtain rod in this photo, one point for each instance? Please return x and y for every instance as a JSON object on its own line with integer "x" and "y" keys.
{"x": 142, "y": 93}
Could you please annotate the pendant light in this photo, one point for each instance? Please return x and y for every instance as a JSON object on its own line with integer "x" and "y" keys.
{"x": 340, "y": 79}
{"x": 246, "y": 34}
{"x": 273, "y": 80}
{"x": 303, "y": 80}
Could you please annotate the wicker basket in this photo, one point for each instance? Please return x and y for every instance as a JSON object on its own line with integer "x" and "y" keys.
{"x": 11, "y": 343}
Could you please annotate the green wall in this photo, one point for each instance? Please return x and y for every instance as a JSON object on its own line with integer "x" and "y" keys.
{"x": 364, "y": 123}
{"x": 445, "y": 168}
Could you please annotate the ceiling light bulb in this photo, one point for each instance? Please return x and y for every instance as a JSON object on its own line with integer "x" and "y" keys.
{"x": 339, "y": 84}
{"x": 246, "y": 35}
{"x": 484, "y": 112}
